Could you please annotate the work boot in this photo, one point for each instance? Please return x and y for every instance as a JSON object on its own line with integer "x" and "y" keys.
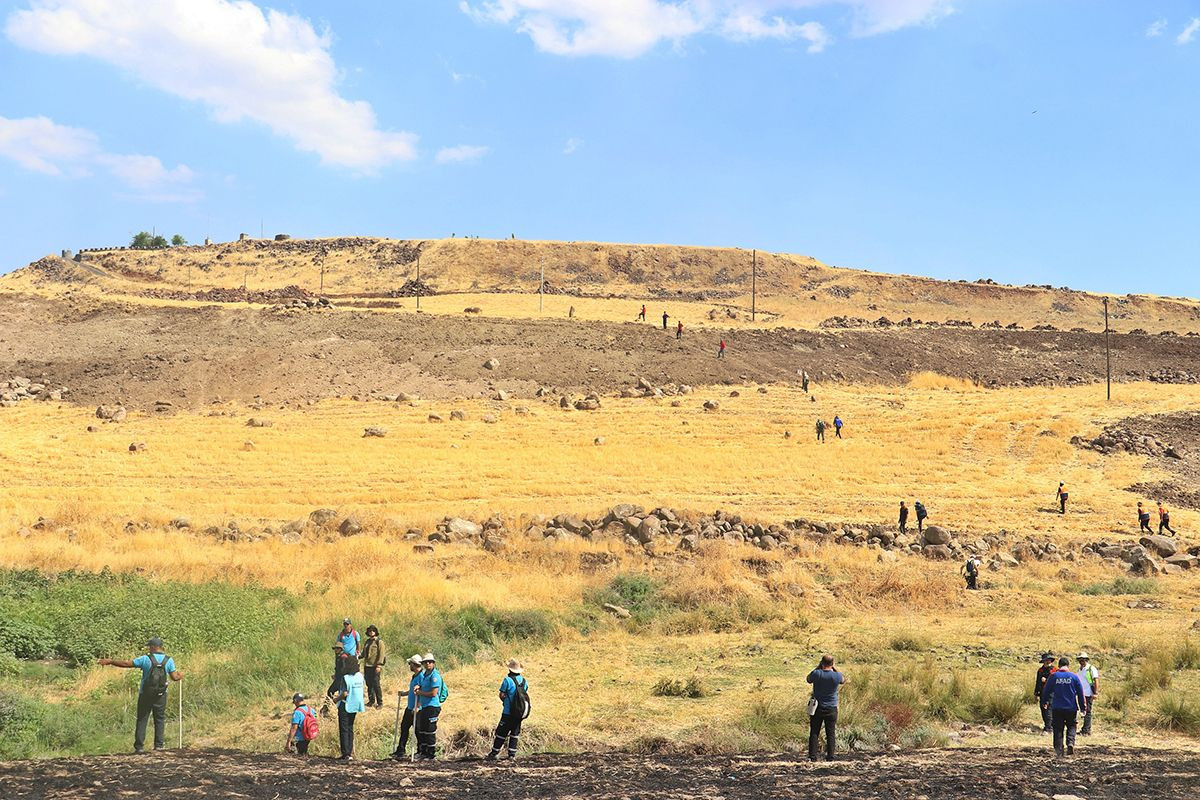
{"x": 1070, "y": 749}
{"x": 510, "y": 756}
{"x": 490, "y": 756}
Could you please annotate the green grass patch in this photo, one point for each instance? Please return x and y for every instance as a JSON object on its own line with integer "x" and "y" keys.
{"x": 1117, "y": 586}
{"x": 669, "y": 687}
{"x": 1175, "y": 711}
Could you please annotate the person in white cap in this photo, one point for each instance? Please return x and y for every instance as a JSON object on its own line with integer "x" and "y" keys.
{"x": 410, "y": 708}
{"x": 514, "y": 694}
{"x": 156, "y": 667}
{"x": 1089, "y": 676}
{"x": 430, "y": 692}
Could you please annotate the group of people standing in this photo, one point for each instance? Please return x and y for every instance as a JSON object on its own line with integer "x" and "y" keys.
{"x": 641, "y": 317}
{"x": 1063, "y": 695}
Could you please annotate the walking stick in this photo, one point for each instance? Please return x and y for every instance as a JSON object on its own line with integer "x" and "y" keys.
{"x": 181, "y": 715}
{"x": 396, "y": 729}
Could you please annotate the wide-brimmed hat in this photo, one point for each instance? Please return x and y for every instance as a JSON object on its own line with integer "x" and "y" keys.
{"x": 415, "y": 658}
{"x": 515, "y": 667}
{"x": 428, "y": 657}
{"x": 1047, "y": 656}
{"x": 1084, "y": 656}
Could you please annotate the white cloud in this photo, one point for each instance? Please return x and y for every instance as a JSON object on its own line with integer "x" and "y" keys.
{"x": 630, "y": 28}
{"x": 461, "y": 153}
{"x": 41, "y": 145}
{"x": 572, "y": 145}
{"x": 230, "y": 55}
{"x": 1189, "y": 33}
{"x": 1156, "y": 28}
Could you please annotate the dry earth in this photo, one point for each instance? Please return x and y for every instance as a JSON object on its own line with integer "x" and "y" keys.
{"x": 139, "y": 354}
{"x": 1095, "y": 773}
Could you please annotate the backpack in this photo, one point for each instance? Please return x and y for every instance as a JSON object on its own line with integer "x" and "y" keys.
{"x": 309, "y": 728}
{"x": 519, "y": 705}
{"x": 155, "y": 684}
{"x": 444, "y": 692}
{"x": 970, "y": 566}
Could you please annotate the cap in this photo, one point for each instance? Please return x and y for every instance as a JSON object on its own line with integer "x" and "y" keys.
{"x": 515, "y": 667}
{"x": 427, "y": 658}
{"x": 298, "y": 698}
{"x": 154, "y": 642}
{"x": 346, "y": 621}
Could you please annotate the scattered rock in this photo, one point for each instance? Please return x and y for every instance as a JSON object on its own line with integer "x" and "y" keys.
{"x": 712, "y": 405}
{"x": 491, "y": 363}
{"x": 255, "y": 422}
{"x": 374, "y": 431}
{"x": 599, "y": 440}
{"x": 935, "y": 535}
{"x": 350, "y": 527}
{"x": 322, "y": 517}
{"x": 617, "y": 611}
{"x": 137, "y": 447}
{"x": 457, "y": 415}
{"x": 111, "y": 413}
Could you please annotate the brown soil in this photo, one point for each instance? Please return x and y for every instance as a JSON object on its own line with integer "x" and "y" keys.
{"x": 1176, "y": 449}
{"x": 103, "y": 352}
{"x": 1095, "y": 773}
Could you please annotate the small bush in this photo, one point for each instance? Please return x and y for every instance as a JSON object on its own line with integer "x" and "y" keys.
{"x": 1117, "y": 586}
{"x": 783, "y": 723}
{"x": 997, "y": 707}
{"x": 909, "y": 642}
{"x": 668, "y": 687}
{"x": 10, "y": 667}
{"x": 461, "y": 636}
{"x": 639, "y": 594}
{"x": 24, "y": 639}
{"x": 1174, "y": 712}
{"x": 1187, "y": 655}
{"x": 1152, "y": 672}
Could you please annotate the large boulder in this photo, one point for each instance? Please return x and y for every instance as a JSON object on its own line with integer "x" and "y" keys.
{"x": 935, "y": 535}
{"x": 111, "y": 413}
{"x": 322, "y": 517}
{"x": 1162, "y": 546}
{"x": 939, "y": 552}
{"x": 622, "y": 510}
{"x": 648, "y": 529}
{"x": 350, "y": 527}
{"x": 1182, "y": 560}
{"x": 461, "y": 528}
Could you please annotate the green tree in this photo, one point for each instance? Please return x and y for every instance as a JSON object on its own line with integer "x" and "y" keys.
{"x": 142, "y": 240}
{"x": 159, "y": 243}
{"x": 178, "y": 241}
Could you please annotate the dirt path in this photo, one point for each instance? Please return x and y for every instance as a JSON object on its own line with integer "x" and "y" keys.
{"x": 190, "y": 356}
{"x": 1095, "y": 773}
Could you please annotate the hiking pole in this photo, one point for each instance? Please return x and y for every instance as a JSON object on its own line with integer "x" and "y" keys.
{"x": 181, "y": 715}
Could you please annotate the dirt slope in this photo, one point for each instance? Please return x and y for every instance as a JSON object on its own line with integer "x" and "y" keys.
{"x": 140, "y": 354}
{"x": 797, "y": 289}
{"x": 1095, "y": 773}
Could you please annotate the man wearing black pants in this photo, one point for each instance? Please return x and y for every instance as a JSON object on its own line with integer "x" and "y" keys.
{"x": 157, "y": 668}
{"x": 825, "y": 680}
{"x": 410, "y": 708}
{"x": 1064, "y": 695}
{"x": 429, "y": 708}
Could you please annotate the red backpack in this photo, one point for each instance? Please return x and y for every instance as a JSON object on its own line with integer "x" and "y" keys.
{"x": 308, "y": 728}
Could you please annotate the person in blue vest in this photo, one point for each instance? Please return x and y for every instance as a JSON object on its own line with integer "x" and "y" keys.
{"x": 410, "y": 708}
{"x": 837, "y": 426}
{"x": 1063, "y": 693}
{"x": 156, "y": 667}
{"x": 350, "y": 704}
{"x": 429, "y": 707}
{"x": 514, "y": 695}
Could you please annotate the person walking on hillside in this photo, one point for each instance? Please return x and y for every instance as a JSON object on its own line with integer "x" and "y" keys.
{"x": 350, "y": 704}
{"x": 1061, "y": 497}
{"x": 1043, "y": 674}
{"x": 301, "y": 728}
{"x": 410, "y": 707}
{"x": 374, "y": 657}
{"x": 823, "y": 706}
{"x": 837, "y": 426}
{"x": 1143, "y": 519}
{"x": 642, "y": 314}
{"x": 820, "y": 430}
{"x": 157, "y": 667}
{"x": 665, "y": 318}
{"x": 679, "y": 330}
{"x": 922, "y": 514}
{"x": 1063, "y": 693}
{"x": 903, "y": 517}
{"x": 1164, "y": 519}
{"x": 804, "y": 381}
{"x": 721, "y": 349}
{"x": 514, "y": 695}
{"x": 429, "y": 707}
{"x": 1089, "y": 676}
{"x": 970, "y": 571}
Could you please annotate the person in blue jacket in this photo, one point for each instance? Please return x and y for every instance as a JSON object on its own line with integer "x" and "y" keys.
{"x": 514, "y": 712}
{"x": 1063, "y": 694}
{"x": 837, "y": 426}
{"x": 429, "y": 707}
{"x": 410, "y": 709}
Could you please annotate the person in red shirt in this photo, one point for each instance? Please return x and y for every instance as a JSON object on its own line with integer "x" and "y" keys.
{"x": 642, "y": 314}
{"x": 721, "y": 349}
{"x": 679, "y": 331}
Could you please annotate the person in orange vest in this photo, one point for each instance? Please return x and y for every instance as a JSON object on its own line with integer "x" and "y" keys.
{"x": 679, "y": 330}
{"x": 1061, "y": 496}
{"x": 1164, "y": 519}
{"x": 721, "y": 349}
{"x": 1143, "y": 519}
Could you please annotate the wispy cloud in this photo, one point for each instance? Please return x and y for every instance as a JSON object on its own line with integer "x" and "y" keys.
{"x": 41, "y": 145}
{"x": 1188, "y": 34}
{"x": 572, "y": 145}
{"x": 240, "y": 61}
{"x": 631, "y": 28}
{"x": 461, "y": 153}
{"x": 1156, "y": 28}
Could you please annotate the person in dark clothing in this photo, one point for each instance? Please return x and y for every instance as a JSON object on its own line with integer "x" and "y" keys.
{"x": 970, "y": 571}
{"x": 820, "y": 430}
{"x": 1063, "y": 693}
{"x": 679, "y": 330}
{"x": 410, "y": 708}
{"x": 350, "y": 705}
{"x": 335, "y": 682}
{"x": 804, "y": 381}
{"x": 1164, "y": 519}
{"x": 156, "y": 667}
{"x": 665, "y": 318}
{"x": 374, "y": 657}
{"x": 1062, "y": 498}
{"x": 921, "y": 515}
{"x": 513, "y": 713}
{"x": 837, "y": 426}
{"x": 903, "y": 517}
{"x": 825, "y": 680}
{"x": 1043, "y": 674}
{"x": 1143, "y": 519}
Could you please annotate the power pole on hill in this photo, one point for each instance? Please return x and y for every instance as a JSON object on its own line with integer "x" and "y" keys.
{"x": 753, "y": 285}
{"x": 1107, "y": 355}
{"x": 542, "y": 287}
{"x": 418, "y": 281}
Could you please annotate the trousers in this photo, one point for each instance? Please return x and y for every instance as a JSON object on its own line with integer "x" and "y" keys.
{"x": 1064, "y": 720}
{"x": 346, "y": 730}
{"x": 509, "y": 729}
{"x": 426, "y": 730}
{"x": 827, "y": 718}
{"x": 147, "y": 705}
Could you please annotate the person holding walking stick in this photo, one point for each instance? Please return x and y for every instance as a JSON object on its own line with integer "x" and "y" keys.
{"x": 405, "y": 724}
{"x": 156, "y": 667}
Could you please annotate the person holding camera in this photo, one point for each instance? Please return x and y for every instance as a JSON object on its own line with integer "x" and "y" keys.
{"x": 823, "y": 706}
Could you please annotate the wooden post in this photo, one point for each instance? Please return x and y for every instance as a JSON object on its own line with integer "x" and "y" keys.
{"x": 1107, "y": 355}
{"x": 418, "y": 281}
{"x": 322, "y": 289}
{"x": 753, "y": 285}
{"x": 542, "y": 287}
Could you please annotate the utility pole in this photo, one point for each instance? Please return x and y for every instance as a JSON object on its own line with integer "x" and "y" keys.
{"x": 322, "y": 276}
{"x": 753, "y": 285}
{"x": 418, "y": 281}
{"x": 542, "y": 287}
{"x": 1107, "y": 354}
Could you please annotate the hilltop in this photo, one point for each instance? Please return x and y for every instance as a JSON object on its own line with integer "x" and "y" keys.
{"x": 792, "y": 290}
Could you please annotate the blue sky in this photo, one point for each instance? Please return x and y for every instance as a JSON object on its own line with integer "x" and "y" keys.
{"x": 1047, "y": 141}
